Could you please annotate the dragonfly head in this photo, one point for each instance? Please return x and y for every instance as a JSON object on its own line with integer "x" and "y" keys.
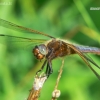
{"x": 40, "y": 51}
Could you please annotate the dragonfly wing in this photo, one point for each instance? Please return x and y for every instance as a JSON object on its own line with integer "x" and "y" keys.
{"x": 13, "y": 26}
{"x": 87, "y": 49}
{"x": 86, "y": 59}
{"x": 20, "y": 41}
{"x": 91, "y": 60}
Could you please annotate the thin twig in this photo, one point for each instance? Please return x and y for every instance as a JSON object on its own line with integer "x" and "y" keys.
{"x": 56, "y": 92}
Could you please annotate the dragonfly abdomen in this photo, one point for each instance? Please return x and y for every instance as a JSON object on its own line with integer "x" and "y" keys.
{"x": 87, "y": 49}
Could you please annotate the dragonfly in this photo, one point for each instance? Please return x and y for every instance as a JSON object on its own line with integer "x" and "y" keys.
{"x": 52, "y": 48}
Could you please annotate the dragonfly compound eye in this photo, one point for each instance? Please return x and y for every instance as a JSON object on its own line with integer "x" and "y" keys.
{"x": 40, "y": 51}
{"x": 43, "y": 49}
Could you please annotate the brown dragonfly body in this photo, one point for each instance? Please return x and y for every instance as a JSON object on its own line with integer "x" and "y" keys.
{"x": 59, "y": 48}
{"x": 52, "y": 49}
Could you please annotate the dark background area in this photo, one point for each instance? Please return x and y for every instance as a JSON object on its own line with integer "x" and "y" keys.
{"x": 66, "y": 19}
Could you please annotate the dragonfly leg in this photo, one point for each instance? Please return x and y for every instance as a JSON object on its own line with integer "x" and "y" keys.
{"x": 49, "y": 69}
{"x": 41, "y": 67}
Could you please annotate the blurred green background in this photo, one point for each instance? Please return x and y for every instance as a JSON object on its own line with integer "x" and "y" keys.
{"x": 69, "y": 19}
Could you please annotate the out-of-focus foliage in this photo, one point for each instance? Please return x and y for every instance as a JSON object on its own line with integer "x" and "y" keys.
{"x": 68, "y": 19}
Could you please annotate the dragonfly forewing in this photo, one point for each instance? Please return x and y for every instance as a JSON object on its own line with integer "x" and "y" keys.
{"x": 16, "y": 27}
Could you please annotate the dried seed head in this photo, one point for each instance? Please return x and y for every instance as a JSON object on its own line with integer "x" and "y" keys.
{"x": 56, "y": 93}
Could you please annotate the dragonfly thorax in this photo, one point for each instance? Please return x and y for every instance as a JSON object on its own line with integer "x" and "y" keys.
{"x": 40, "y": 51}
